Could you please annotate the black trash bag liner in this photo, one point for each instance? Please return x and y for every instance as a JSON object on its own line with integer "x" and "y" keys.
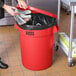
{"x": 39, "y": 21}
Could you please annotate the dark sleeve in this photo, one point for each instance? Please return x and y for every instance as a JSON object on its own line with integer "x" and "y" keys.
{"x": 1, "y": 3}
{"x": 1, "y": 9}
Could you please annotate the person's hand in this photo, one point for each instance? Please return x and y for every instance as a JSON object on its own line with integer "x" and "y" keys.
{"x": 10, "y": 9}
{"x": 22, "y": 4}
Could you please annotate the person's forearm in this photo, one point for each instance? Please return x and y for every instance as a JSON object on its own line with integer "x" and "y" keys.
{"x": 1, "y": 3}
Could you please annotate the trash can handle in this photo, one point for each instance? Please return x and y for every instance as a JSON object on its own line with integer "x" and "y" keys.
{"x": 56, "y": 28}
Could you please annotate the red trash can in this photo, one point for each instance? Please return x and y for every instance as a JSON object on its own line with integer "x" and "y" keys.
{"x": 37, "y": 45}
